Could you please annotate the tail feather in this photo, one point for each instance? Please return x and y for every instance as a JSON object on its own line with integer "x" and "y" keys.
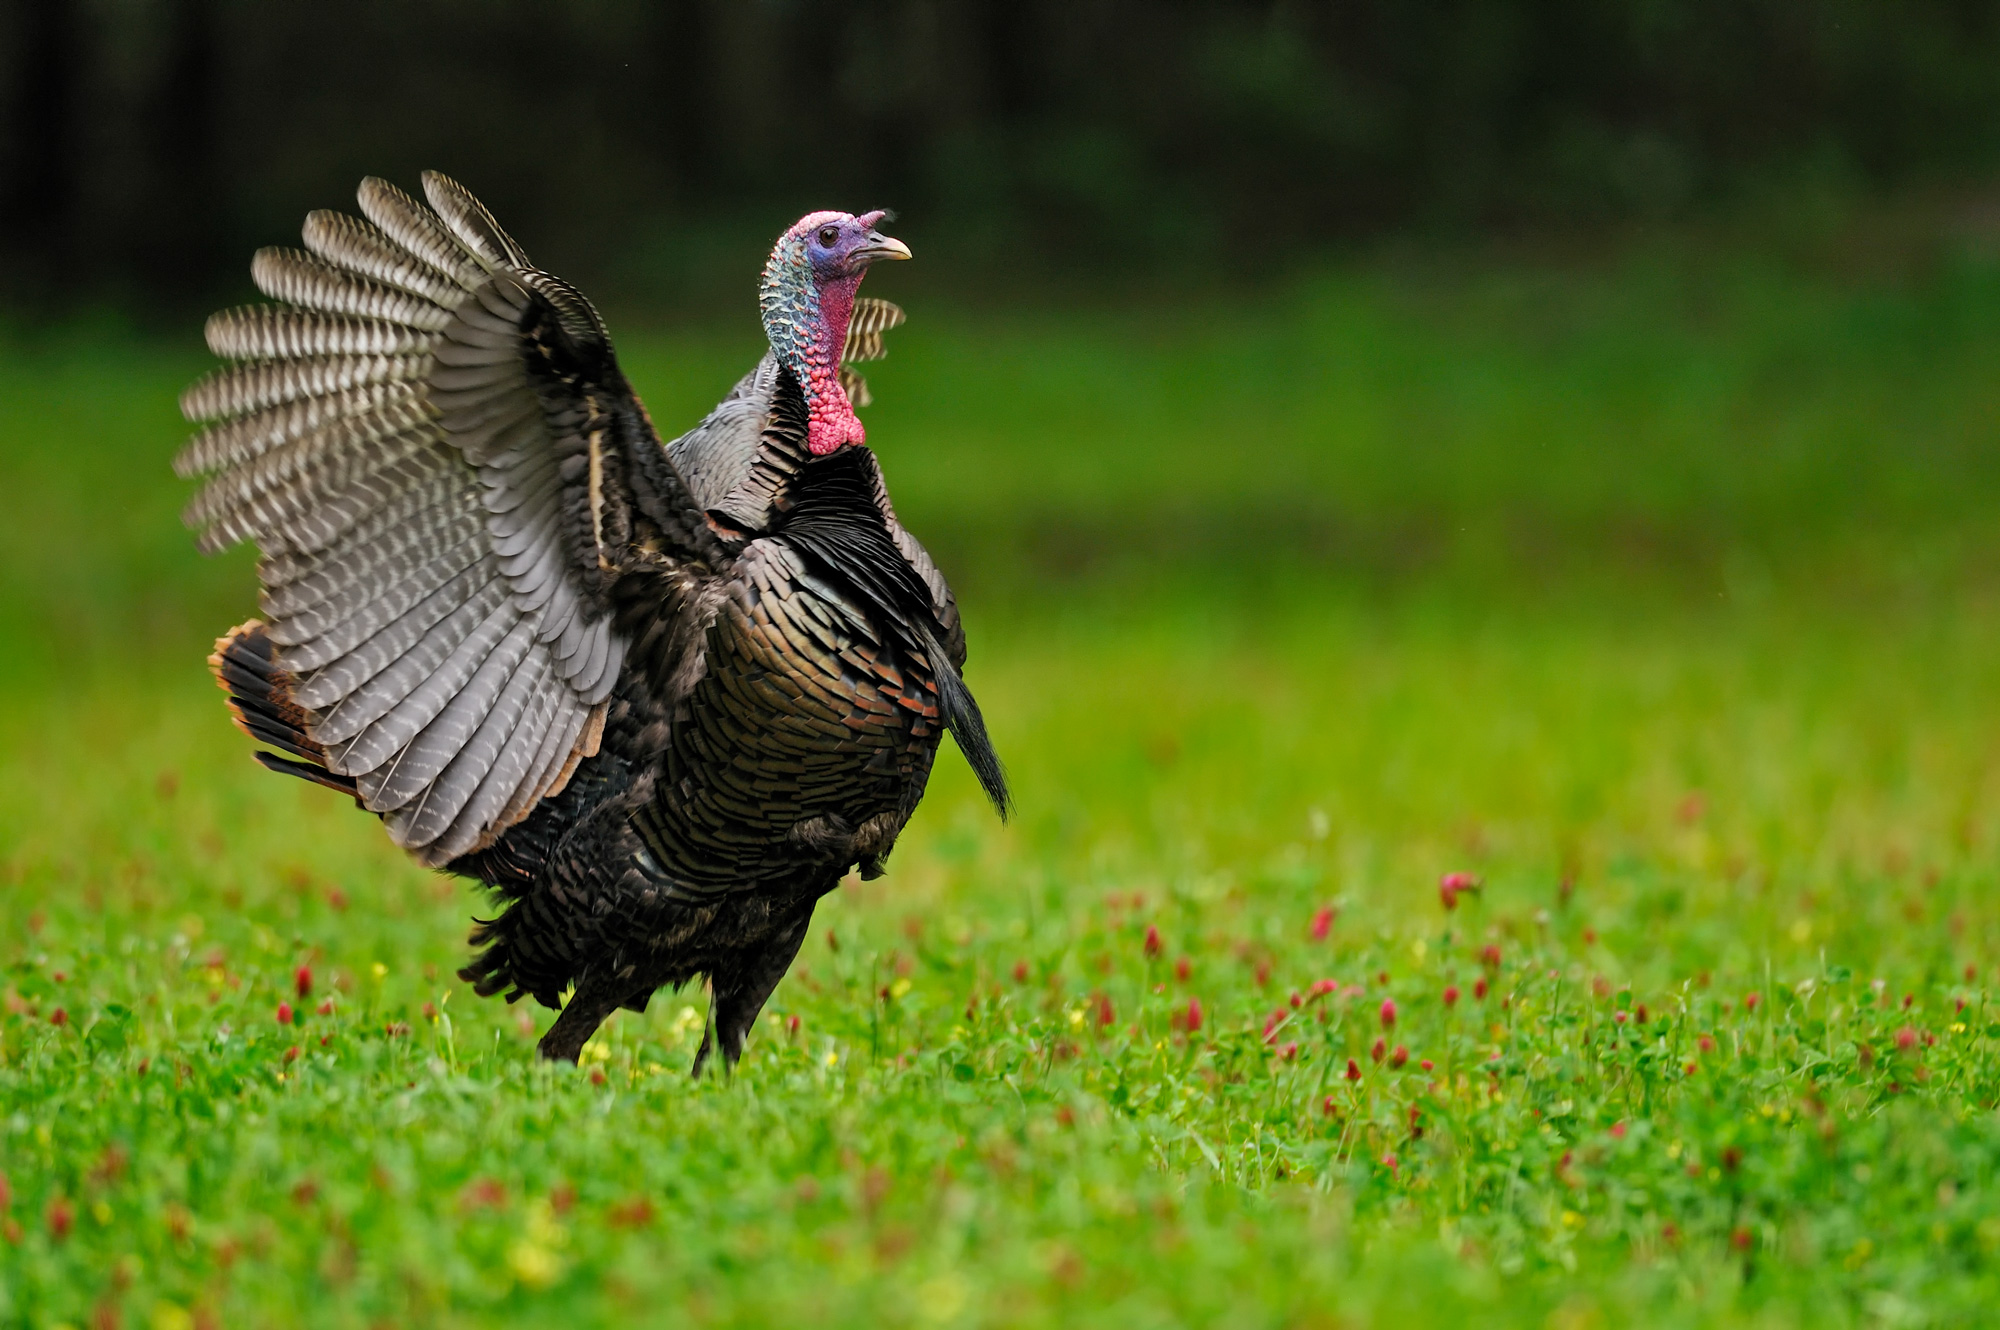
{"x": 962, "y": 718}
{"x": 247, "y": 668}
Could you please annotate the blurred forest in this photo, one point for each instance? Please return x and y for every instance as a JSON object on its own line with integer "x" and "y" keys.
{"x": 147, "y": 145}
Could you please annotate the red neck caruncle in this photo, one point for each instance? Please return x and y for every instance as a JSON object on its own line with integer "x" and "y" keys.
{"x": 831, "y": 419}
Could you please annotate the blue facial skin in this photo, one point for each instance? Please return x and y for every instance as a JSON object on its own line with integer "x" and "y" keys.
{"x": 844, "y": 246}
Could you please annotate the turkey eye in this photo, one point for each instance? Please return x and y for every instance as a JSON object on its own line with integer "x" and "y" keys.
{"x": 829, "y": 236}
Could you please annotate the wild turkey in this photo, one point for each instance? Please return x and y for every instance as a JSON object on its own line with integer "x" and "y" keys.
{"x": 659, "y": 698}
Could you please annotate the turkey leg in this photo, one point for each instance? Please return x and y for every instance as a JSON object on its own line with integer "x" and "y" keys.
{"x": 594, "y": 999}
{"x": 741, "y": 993}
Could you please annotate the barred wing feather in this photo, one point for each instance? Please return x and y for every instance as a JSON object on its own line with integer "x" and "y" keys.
{"x": 865, "y": 326}
{"x": 432, "y": 446}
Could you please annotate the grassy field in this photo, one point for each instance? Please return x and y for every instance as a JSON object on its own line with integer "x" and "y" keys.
{"x": 1659, "y": 594}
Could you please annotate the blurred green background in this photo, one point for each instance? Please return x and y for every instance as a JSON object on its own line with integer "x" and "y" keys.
{"x": 147, "y": 145}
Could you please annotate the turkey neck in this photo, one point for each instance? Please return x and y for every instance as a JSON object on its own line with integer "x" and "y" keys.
{"x": 806, "y": 321}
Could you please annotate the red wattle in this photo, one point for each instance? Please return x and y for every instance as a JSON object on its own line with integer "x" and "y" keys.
{"x": 832, "y": 423}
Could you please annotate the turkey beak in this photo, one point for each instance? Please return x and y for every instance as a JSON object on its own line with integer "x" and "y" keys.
{"x": 878, "y": 247}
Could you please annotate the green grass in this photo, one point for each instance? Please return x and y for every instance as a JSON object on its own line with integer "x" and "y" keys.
{"x": 1658, "y": 594}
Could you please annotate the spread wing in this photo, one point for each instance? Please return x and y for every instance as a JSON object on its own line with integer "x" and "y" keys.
{"x": 433, "y": 447}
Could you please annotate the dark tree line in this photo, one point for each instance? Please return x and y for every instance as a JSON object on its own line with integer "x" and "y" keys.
{"x": 146, "y": 144}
